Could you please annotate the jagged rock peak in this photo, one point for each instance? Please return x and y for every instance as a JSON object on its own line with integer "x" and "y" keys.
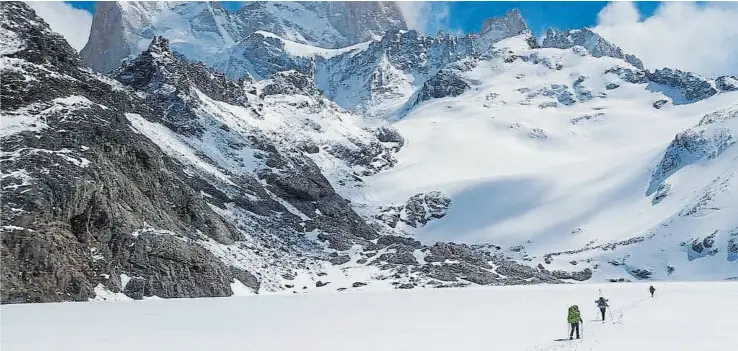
{"x": 593, "y": 42}
{"x": 509, "y": 25}
{"x": 158, "y": 69}
{"x": 159, "y": 45}
{"x": 290, "y": 83}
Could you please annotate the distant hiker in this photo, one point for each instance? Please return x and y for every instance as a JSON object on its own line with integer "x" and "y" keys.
{"x": 652, "y": 290}
{"x": 602, "y": 304}
{"x": 574, "y": 320}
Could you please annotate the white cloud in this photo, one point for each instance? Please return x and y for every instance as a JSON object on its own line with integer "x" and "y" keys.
{"x": 701, "y": 38}
{"x": 425, "y": 17}
{"x": 73, "y": 24}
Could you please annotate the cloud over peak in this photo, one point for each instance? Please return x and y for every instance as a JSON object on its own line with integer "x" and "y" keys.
{"x": 696, "y": 37}
{"x": 73, "y": 24}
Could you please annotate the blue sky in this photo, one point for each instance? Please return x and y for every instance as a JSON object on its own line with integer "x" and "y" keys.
{"x": 467, "y": 16}
{"x": 694, "y": 36}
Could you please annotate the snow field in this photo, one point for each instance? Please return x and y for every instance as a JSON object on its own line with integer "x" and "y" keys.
{"x": 563, "y": 178}
{"x": 682, "y": 316}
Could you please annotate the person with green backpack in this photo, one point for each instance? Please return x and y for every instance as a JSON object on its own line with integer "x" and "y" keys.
{"x": 574, "y": 319}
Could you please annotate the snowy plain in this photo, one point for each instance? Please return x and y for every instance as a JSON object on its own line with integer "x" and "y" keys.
{"x": 682, "y": 316}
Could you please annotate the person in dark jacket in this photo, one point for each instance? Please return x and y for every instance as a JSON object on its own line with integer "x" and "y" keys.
{"x": 652, "y": 290}
{"x": 574, "y": 318}
{"x": 602, "y": 304}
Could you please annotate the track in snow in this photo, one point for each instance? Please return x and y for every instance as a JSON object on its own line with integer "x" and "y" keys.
{"x": 683, "y": 316}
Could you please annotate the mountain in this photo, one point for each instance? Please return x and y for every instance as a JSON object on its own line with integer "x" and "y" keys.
{"x": 570, "y": 160}
{"x": 322, "y": 24}
{"x": 171, "y": 180}
{"x": 202, "y": 30}
{"x": 213, "y": 160}
{"x": 497, "y": 28}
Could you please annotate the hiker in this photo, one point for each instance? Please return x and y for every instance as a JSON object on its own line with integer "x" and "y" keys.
{"x": 652, "y": 290}
{"x": 602, "y": 304}
{"x": 574, "y": 320}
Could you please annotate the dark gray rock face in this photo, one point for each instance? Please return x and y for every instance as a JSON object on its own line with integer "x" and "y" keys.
{"x": 701, "y": 247}
{"x": 422, "y": 208}
{"x": 593, "y": 42}
{"x": 444, "y": 83}
{"x": 418, "y": 211}
{"x": 733, "y": 247}
{"x": 581, "y": 89}
{"x": 389, "y": 135}
{"x": 93, "y": 197}
{"x": 103, "y": 200}
{"x": 372, "y": 156}
{"x": 578, "y": 276}
{"x": 339, "y": 260}
{"x": 458, "y": 252}
{"x": 450, "y": 262}
{"x": 705, "y": 244}
{"x": 692, "y": 86}
{"x": 661, "y": 193}
{"x": 629, "y": 75}
{"x": 660, "y": 103}
{"x": 498, "y": 28}
{"x": 403, "y": 257}
{"x": 640, "y": 274}
{"x": 246, "y": 278}
{"x": 289, "y": 83}
{"x": 390, "y": 240}
{"x": 727, "y": 83}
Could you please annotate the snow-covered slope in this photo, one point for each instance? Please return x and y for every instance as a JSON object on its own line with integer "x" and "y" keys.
{"x": 382, "y": 79}
{"x": 323, "y": 166}
{"x": 520, "y": 318}
{"x": 552, "y": 153}
{"x": 171, "y": 180}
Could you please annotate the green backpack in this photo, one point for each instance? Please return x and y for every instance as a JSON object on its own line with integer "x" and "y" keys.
{"x": 574, "y": 316}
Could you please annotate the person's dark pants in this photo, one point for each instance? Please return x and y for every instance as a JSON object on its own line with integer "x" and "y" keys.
{"x": 651, "y": 293}
{"x": 573, "y": 327}
{"x": 602, "y": 310}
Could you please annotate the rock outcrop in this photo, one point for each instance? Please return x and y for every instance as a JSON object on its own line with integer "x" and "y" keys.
{"x": 596, "y": 45}
{"x": 693, "y": 87}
